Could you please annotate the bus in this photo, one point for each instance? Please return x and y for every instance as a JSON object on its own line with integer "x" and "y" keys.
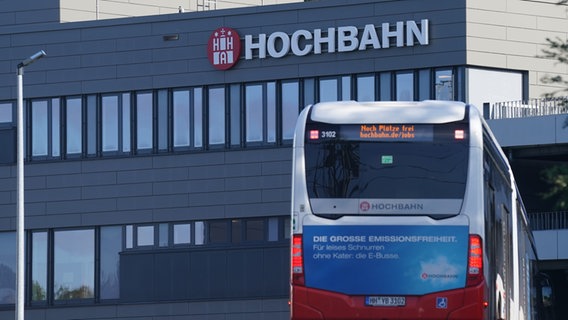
{"x": 406, "y": 210}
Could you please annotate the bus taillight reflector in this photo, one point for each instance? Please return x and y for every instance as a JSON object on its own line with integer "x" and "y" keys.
{"x": 297, "y": 260}
{"x": 475, "y": 261}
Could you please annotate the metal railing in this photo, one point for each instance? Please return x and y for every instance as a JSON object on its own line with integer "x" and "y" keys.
{"x": 549, "y": 220}
{"x": 529, "y": 108}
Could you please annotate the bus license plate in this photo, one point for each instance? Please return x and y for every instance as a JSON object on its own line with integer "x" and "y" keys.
{"x": 382, "y": 301}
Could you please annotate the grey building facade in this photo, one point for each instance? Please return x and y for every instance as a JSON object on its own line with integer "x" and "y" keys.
{"x": 157, "y": 167}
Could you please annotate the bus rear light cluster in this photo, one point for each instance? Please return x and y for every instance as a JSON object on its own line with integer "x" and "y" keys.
{"x": 297, "y": 260}
{"x": 475, "y": 261}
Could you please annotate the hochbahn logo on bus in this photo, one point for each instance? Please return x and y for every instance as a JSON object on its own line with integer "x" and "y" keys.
{"x": 224, "y": 45}
{"x": 366, "y": 206}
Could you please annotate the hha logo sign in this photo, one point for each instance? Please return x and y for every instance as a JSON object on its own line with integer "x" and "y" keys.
{"x": 224, "y": 48}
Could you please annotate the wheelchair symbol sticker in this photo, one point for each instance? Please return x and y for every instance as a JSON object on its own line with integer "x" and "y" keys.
{"x": 441, "y": 303}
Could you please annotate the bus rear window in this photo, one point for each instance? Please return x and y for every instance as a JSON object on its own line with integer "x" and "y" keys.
{"x": 376, "y": 161}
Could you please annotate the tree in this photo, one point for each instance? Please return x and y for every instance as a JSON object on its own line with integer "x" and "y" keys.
{"x": 557, "y": 178}
{"x": 558, "y": 50}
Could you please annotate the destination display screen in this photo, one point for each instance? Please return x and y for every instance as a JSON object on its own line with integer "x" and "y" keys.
{"x": 386, "y": 161}
{"x": 372, "y": 132}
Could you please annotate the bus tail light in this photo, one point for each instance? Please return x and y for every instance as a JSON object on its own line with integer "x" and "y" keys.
{"x": 297, "y": 260}
{"x": 475, "y": 261}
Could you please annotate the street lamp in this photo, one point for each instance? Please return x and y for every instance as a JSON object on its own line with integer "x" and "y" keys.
{"x": 20, "y": 275}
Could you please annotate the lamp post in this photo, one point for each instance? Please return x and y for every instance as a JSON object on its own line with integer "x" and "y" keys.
{"x": 20, "y": 275}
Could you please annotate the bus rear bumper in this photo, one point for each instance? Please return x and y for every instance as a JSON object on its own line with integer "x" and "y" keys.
{"x": 463, "y": 304}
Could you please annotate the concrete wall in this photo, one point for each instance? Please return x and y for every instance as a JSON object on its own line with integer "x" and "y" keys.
{"x": 551, "y": 244}
{"x": 531, "y": 131}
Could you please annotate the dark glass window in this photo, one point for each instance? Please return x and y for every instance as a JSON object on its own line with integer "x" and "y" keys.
{"x": 216, "y": 116}
{"x": 328, "y": 89}
{"x": 405, "y": 86}
{"x": 236, "y": 230}
{"x": 40, "y": 126}
{"x": 74, "y": 120}
{"x": 217, "y": 231}
{"x": 254, "y": 112}
{"x": 444, "y": 85}
{"x": 181, "y": 118}
{"x": 366, "y": 88}
{"x": 8, "y": 262}
{"x": 182, "y": 233}
{"x": 346, "y": 88}
{"x": 39, "y": 266}
{"x": 144, "y": 121}
{"x": 254, "y": 230}
{"x": 235, "y": 100}
{"x": 290, "y": 108}
{"x": 6, "y": 113}
{"x": 111, "y": 245}
{"x": 74, "y": 264}
{"x": 110, "y": 123}
{"x": 145, "y": 236}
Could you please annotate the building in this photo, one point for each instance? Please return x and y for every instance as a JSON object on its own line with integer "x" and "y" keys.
{"x": 158, "y": 148}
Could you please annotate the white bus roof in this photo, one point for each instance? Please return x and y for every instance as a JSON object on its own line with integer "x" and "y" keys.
{"x": 388, "y": 112}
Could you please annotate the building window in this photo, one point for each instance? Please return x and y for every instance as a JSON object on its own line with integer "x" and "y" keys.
{"x": 404, "y": 86}
{"x": 199, "y": 233}
{"x": 163, "y": 235}
{"x": 424, "y": 84}
{"x": 115, "y": 124}
{"x": 290, "y": 108}
{"x": 110, "y": 123}
{"x": 110, "y": 248}
{"x": 216, "y": 109}
{"x": 8, "y": 262}
{"x": 182, "y": 233}
{"x": 40, "y": 128}
{"x": 145, "y": 236}
{"x": 236, "y": 230}
{"x": 366, "y": 88}
{"x": 73, "y": 125}
{"x": 235, "y": 114}
{"x": 73, "y": 264}
{"x": 385, "y": 89}
{"x": 144, "y": 121}
{"x": 254, "y": 112}
{"x": 254, "y": 230}
{"x": 444, "y": 84}
{"x": 6, "y": 113}
{"x": 181, "y": 118}
{"x": 328, "y": 90}
{"x": 346, "y": 88}
{"x": 39, "y": 266}
{"x": 217, "y": 231}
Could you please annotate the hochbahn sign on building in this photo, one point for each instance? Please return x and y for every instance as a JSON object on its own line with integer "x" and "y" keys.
{"x": 318, "y": 41}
